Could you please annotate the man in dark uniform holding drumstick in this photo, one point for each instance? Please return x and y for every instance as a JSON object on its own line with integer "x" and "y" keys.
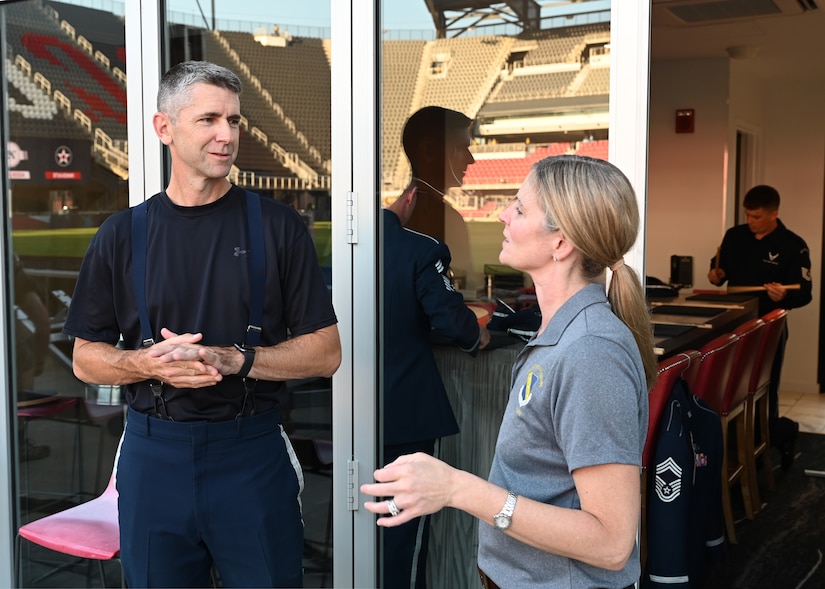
{"x": 763, "y": 252}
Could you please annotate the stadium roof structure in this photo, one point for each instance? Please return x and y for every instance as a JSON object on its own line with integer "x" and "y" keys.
{"x": 455, "y": 17}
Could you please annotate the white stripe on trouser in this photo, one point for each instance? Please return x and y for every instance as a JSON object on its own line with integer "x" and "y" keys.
{"x": 419, "y": 536}
{"x": 669, "y": 580}
{"x": 417, "y": 553}
{"x": 296, "y": 466}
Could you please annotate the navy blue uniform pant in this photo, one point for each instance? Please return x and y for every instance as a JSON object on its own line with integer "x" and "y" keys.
{"x": 405, "y": 546}
{"x": 197, "y": 494}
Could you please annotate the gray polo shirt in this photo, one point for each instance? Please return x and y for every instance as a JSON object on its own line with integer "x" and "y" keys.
{"x": 578, "y": 398}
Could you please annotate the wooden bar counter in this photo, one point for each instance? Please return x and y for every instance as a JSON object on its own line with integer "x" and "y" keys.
{"x": 478, "y": 389}
{"x": 688, "y": 322}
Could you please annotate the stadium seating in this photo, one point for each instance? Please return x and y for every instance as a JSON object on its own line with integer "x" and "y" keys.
{"x": 297, "y": 77}
{"x": 597, "y": 149}
{"x": 509, "y": 170}
{"x": 52, "y": 53}
{"x": 79, "y": 52}
{"x": 102, "y": 29}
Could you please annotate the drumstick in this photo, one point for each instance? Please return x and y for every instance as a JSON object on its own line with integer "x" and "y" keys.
{"x": 718, "y": 256}
{"x": 737, "y": 289}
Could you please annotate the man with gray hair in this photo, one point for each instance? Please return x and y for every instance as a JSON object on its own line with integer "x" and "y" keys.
{"x": 203, "y": 283}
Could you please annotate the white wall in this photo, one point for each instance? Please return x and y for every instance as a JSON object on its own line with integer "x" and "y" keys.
{"x": 690, "y": 187}
{"x": 794, "y": 158}
{"x": 686, "y": 181}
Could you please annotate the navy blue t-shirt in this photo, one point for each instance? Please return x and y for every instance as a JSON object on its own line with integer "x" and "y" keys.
{"x": 197, "y": 280}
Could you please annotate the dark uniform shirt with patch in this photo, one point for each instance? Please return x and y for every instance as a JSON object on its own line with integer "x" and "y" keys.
{"x": 781, "y": 256}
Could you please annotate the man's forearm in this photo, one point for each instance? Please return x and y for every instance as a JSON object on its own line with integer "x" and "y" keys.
{"x": 102, "y": 363}
{"x": 312, "y": 354}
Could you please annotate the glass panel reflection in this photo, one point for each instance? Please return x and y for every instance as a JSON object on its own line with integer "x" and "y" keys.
{"x": 65, "y": 91}
{"x": 284, "y": 154}
{"x": 530, "y": 80}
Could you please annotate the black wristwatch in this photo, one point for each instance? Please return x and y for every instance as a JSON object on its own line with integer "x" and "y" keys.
{"x": 248, "y": 359}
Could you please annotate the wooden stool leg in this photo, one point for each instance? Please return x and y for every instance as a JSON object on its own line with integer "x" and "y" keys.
{"x": 745, "y": 460}
{"x": 765, "y": 438}
{"x": 750, "y": 453}
{"x": 726, "y": 506}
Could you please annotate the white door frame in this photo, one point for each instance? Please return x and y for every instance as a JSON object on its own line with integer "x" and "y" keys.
{"x": 355, "y": 247}
{"x": 629, "y": 105}
{"x": 144, "y": 36}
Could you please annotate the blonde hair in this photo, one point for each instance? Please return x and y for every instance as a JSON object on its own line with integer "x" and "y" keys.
{"x": 593, "y": 204}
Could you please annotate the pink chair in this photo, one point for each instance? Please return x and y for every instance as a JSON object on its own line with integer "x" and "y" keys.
{"x": 711, "y": 380}
{"x": 758, "y": 400}
{"x": 89, "y": 530}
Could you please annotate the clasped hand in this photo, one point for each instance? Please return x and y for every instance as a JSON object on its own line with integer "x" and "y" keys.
{"x": 184, "y": 363}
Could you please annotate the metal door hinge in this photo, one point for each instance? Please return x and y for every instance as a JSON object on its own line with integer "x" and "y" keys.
{"x": 352, "y": 217}
{"x": 352, "y": 485}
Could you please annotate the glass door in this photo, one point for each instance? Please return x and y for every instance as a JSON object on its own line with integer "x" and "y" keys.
{"x": 470, "y": 96}
{"x": 283, "y": 57}
{"x": 65, "y": 131}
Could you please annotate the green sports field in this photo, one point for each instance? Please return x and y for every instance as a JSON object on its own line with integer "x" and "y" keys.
{"x": 59, "y": 243}
{"x": 72, "y": 243}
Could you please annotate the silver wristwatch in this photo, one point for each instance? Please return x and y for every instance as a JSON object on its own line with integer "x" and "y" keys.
{"x": 504, "y": 518}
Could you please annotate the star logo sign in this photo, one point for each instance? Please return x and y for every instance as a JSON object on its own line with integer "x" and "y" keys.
{"x": 63, "y": 156}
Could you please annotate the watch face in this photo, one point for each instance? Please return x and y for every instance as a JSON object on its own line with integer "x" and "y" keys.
{"x": 502, "y": 521}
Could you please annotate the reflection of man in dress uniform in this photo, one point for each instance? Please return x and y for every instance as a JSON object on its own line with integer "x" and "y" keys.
{"x": 437, "y": 143}
{"x": 419, "y": 300}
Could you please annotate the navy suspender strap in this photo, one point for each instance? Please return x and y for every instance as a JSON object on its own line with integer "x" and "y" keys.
{"x": 139, "y": 271}
{"x": 139, "y": 281}
{"x": 257, "y": 268}
{"x": 257, "y": 275}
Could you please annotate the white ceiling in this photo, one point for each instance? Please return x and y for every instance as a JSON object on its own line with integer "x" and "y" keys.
{"x": 788, "y": 46}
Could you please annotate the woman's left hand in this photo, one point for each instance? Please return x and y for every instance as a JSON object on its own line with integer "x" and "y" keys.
{"x": 416, "y": 484}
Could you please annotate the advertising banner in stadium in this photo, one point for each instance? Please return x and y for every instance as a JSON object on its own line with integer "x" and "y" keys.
{"x": 46, "y": 160}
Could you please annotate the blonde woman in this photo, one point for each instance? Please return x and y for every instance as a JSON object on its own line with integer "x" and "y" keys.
{"x": 561, "y": 506}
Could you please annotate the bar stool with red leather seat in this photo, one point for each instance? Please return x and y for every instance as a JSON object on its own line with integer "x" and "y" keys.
{"x": 758, "y": 398}
{"x": 668, "y": 372}
{"x": 712, "y": 380}
{"x": 750, "y": 334}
